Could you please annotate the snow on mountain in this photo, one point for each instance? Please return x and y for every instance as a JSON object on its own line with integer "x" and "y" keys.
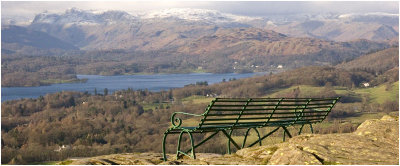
{"x": 198, "y": 15}
{"x": 77, "y": 16}
{"x": 374, "y": 14}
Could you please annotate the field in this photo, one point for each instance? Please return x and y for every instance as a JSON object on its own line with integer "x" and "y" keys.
{"x": 382, "y": 93}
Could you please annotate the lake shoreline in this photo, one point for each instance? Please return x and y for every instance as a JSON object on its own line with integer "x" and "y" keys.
{"x": 61, "y": 81}
{"x": 154, "y": 82}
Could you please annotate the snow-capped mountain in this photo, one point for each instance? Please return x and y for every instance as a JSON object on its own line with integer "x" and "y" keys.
{"x": 374, "y": 14}
{"x": 171, "y": 28}
{"x": 210, "y": 16}
{"x": 77, "y": 16}
{"x": 82, "y": 17}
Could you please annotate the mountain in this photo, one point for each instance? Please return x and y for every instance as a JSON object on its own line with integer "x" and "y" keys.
{"x": 119, "y": 30}
{"x": 17, "y": 35}
{"x": 173, "y": 28}
{"x": 239, "y": 43}
{"x": 343, "y": 27}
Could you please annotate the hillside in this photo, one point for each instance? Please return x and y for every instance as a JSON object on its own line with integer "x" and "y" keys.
{"x": 379, "y": 62}
{"x": 374, "y": 142}
{"x": 244, "y": 43}
{"x": 256, "y": 42}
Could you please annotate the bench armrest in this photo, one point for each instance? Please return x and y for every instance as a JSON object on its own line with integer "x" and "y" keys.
{"x": 179, "y": 120}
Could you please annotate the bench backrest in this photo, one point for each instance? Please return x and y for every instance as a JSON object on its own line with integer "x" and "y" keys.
{"x": 260, "y": 112}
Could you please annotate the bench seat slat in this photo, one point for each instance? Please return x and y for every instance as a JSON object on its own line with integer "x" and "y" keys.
{"x": 267, "y": 113}
{"x": 272, "y": 105}
{"x": 257, "y": 123}
{"x": 231, "y": 124}
{"x": 244, "y": 123}
{"x": 317, "y": 107}
{"x": 264, "y": 109}
{"x": 271, "y": 99}
{"x": 258, "y": 118}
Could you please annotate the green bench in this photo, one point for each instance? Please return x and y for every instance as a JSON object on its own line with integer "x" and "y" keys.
{"x": 228, "y": 114}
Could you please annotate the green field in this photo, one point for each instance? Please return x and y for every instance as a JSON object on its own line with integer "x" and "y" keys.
{"x": 380, "y": 94}
{"x": 197, "y": 100}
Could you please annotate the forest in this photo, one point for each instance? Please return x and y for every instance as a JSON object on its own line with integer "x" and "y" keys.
{"x": 78, "y": 124}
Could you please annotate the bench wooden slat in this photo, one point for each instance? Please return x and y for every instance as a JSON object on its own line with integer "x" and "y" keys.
{"x": 258, "y": 113}
{"x": 222, "y": 123}
{"x": 266, "y": 109}
{"x": 272, "y": 99}
{"x": 257, "y": 118}
{"x": 271, "y": 105}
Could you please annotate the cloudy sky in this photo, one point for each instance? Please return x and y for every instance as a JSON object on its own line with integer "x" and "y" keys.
{"x": 20, "y": 9}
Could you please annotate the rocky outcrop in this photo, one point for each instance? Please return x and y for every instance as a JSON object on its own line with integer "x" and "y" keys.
{"x": 374, "y": 142}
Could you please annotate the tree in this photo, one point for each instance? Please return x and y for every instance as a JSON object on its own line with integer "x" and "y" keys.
{"x": 95, "y": 91}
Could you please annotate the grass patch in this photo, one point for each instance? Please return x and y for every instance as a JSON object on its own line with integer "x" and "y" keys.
{"x": 307, "y": 90}
{"x": 196, "y": 99}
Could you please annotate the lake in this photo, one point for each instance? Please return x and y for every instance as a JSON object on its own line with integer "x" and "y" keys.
{"x": 156, "y": 82}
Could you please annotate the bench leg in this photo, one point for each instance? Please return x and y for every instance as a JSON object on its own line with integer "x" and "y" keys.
{"x": 178, "y": 151}
{"x": 205, "y": 140}
{"x": 163, "y": 147}
{"x": 284, "y": 134}
{"x": 311, "y": 128}
{"x": 230, "y": 140}
{"x": 192, "y": 144}
{"x": 286, "y": 131}
{"x": 247, "y": 133}
{"x": 265, "y": 136}
{"x": 301, "y": 128}
{"x": 179, "y": 145}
